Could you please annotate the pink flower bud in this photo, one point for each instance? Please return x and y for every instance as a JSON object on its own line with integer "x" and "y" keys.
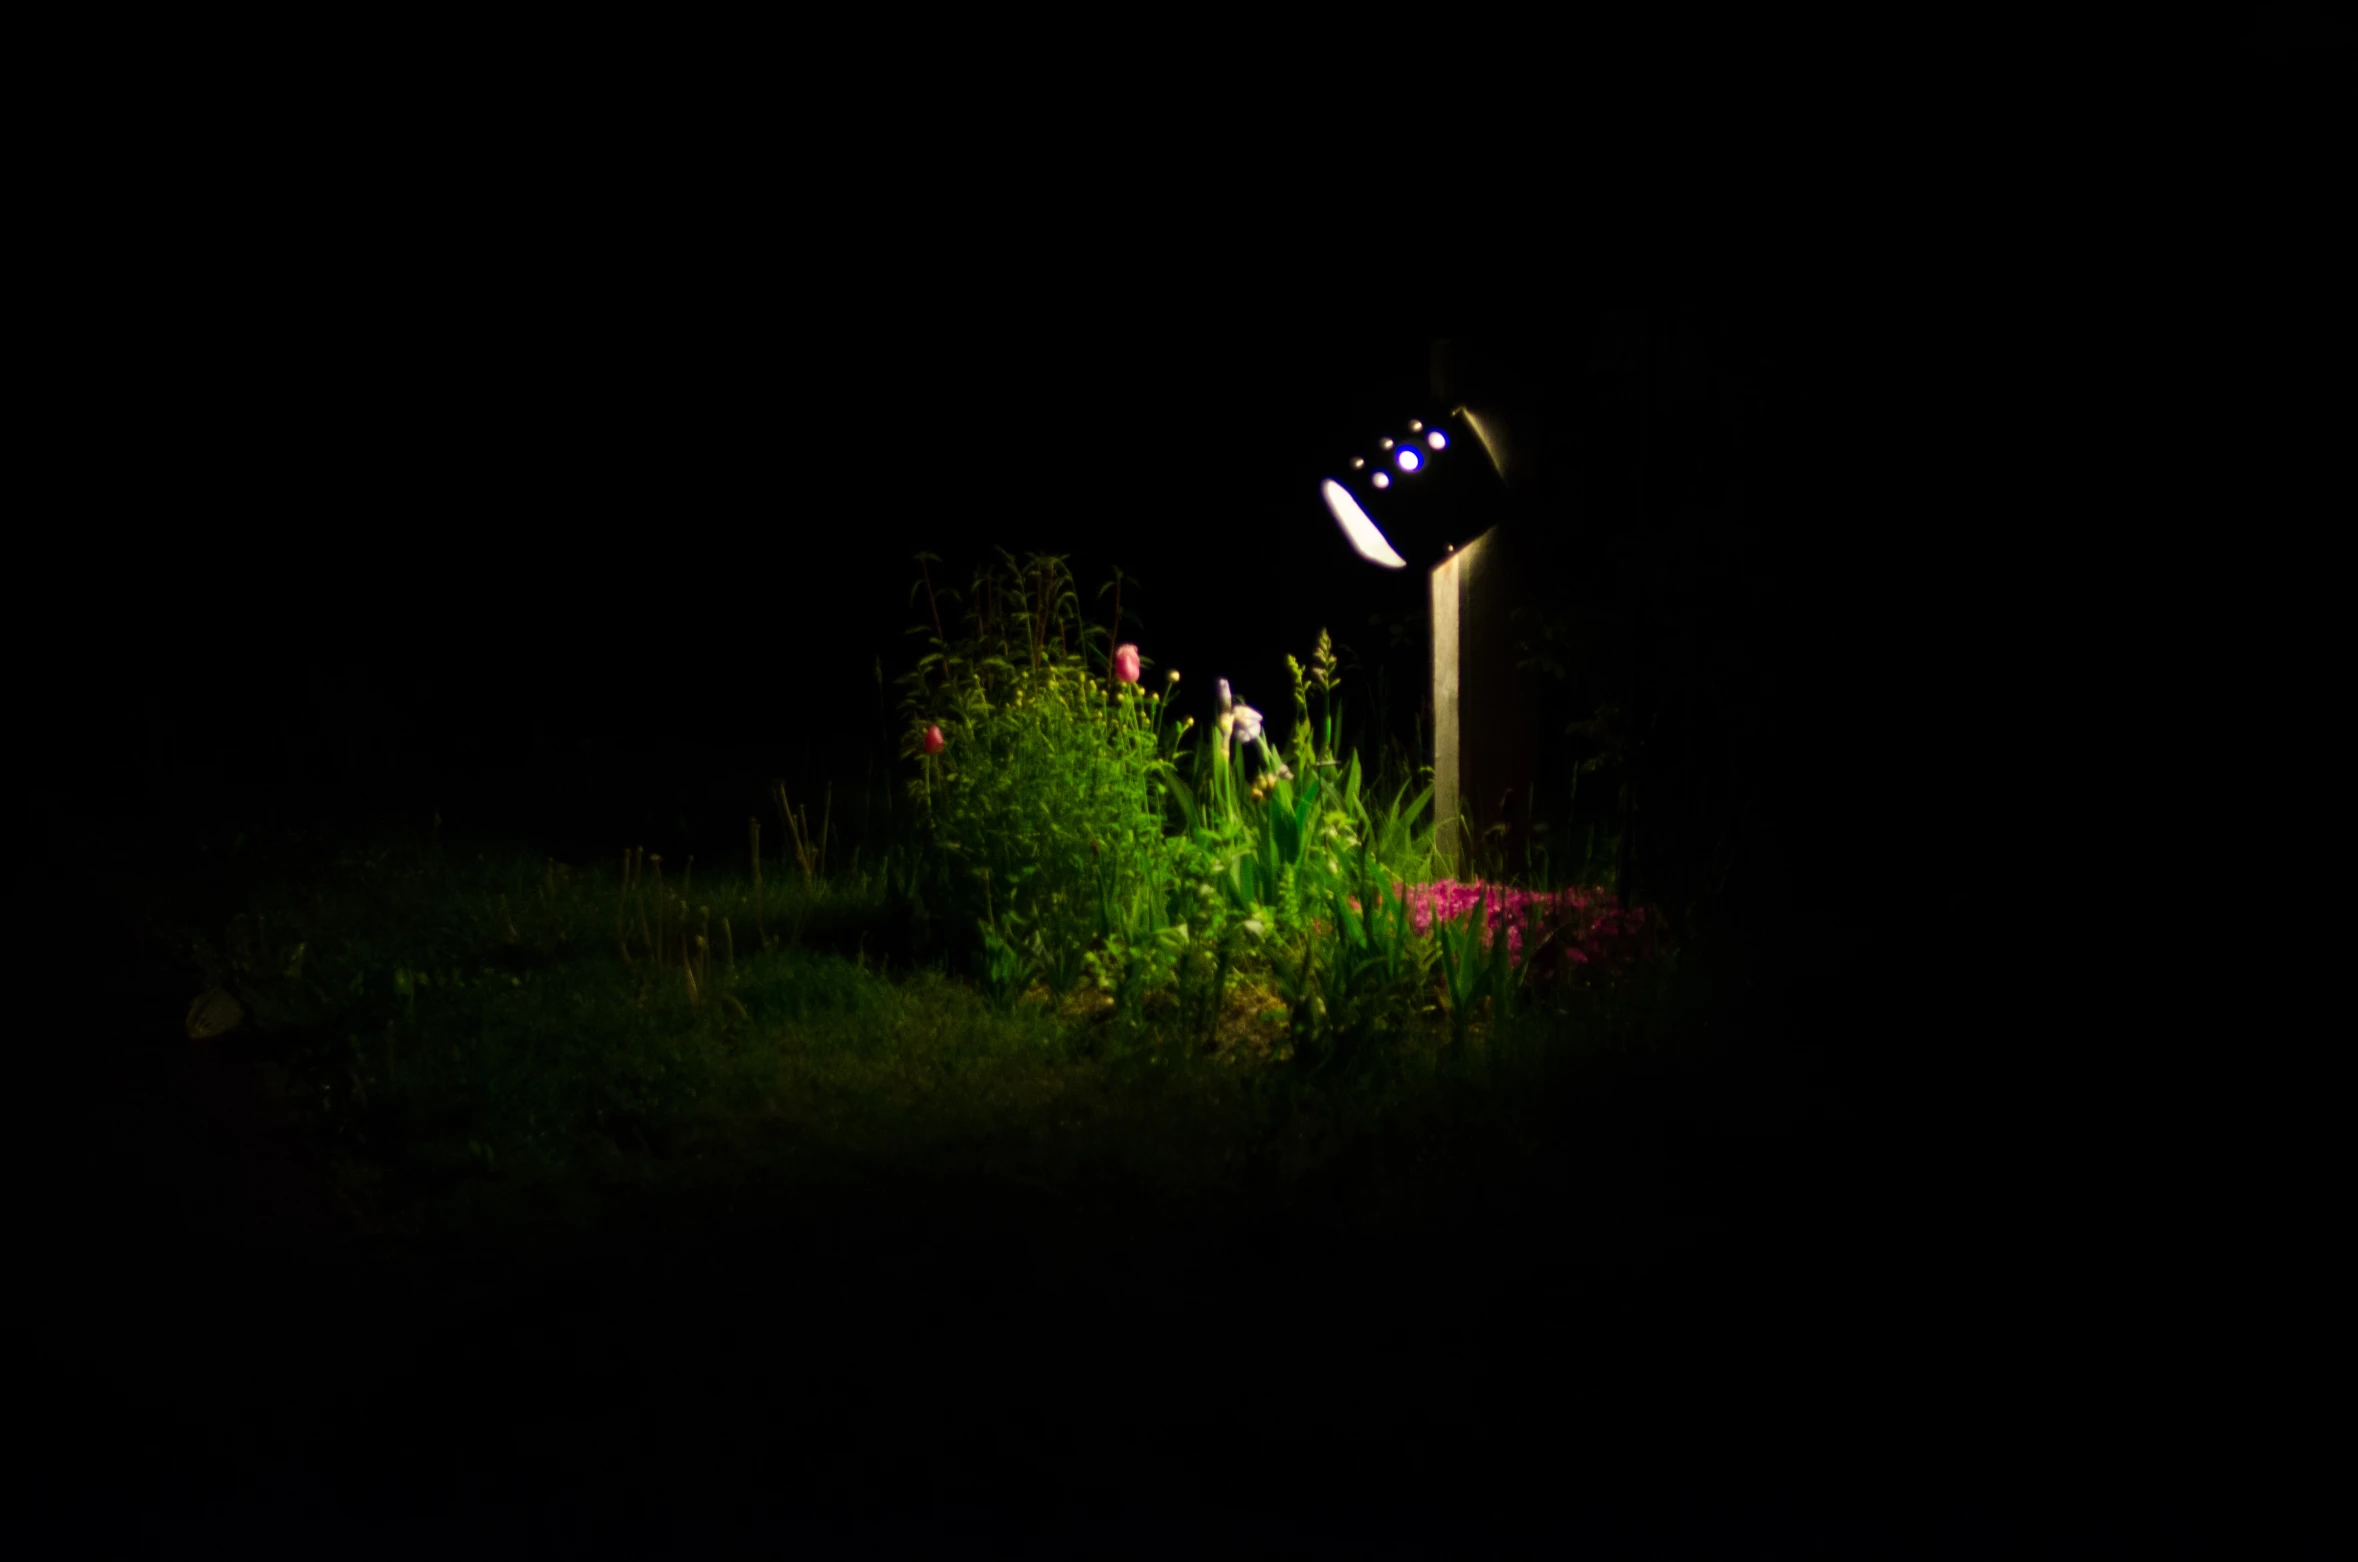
{"x": 1126, "y": 663}
{"x": 933, "y": 740}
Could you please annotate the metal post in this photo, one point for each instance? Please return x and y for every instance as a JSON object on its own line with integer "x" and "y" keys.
{"x": 1483, "y": 753}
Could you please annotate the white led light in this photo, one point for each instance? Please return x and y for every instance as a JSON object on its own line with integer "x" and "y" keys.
{"x": 1383, "y": 479}
{"x": 1407, "y": 460}
{"x": 1366, "y": 540}
{"x": 1356, "y": 463}
{"x": 1435, "y": 440}
{"x": 1414, "y": 427}
{"x": 1387, "y": 444}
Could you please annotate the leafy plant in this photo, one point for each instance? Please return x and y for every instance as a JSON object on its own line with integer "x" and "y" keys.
{"x": 1044, "y": 770}
{"x": 1463, "y": 965}
{"x": 1003, "y": 968}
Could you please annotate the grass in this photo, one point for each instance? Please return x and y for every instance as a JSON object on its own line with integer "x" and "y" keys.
{"x": 830, "y": 1175}
{"x": 477, "y": 1039}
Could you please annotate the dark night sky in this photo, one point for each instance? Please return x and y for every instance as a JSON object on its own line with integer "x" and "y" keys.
{"x": 542, "y": 525}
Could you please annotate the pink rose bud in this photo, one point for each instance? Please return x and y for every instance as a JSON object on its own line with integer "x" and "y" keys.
{"x": 933, "y": 740}
{"x": 1126, "y": 663}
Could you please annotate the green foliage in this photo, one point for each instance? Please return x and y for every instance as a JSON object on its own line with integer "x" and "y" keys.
{"x": 1001, "y": 969}
{"x": 1467, "y": 972}
{"x": 1062, "y": 824}
{"x": 1359, "y": 985}
{"x": 1043, "y": 815}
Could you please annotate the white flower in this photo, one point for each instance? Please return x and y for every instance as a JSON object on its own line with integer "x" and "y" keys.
{"x": 1248, "y": 724}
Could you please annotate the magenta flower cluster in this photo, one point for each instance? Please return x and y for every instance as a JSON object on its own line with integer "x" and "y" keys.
{"x": 1579, "y": 928}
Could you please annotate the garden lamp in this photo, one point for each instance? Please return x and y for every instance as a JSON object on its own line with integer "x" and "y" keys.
{"x": 1410, "y": 493}
{"x": 1434, "y": 491}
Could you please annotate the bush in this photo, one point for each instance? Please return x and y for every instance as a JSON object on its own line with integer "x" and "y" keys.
{"x": 1041, "y": 794}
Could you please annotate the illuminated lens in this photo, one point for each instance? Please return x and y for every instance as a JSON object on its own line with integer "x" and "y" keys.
{"x": 1435, "y": 440}
{"x": 1387, "y": 444}
{"x": 1414, "y": 427}
{"x": 1407, "y": 460}
{"x": 1356, "y": 463}
{"x": 1365, "y": 539}
{"x": 1383, "y": 479}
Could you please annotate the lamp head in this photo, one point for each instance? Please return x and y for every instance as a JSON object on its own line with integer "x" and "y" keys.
{"x": 1411, "y": 492}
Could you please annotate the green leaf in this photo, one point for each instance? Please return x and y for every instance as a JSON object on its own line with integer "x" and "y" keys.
{"x": 1285, "y": 830}
{"x": 1304, "y": 812}
{"x": 1348, "y": 928}
{"x": 1185, "y": 799}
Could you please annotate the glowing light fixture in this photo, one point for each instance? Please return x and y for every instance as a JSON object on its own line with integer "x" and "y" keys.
{"x": 1456, "y": 532}
{"x": 1410, "y": 453}
{"x": 1364, "y": 538}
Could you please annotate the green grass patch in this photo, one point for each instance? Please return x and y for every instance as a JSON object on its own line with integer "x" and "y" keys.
{"x": 478, "y": 1039}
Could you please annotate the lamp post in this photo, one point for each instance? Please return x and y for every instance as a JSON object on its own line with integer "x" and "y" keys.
{"x": 1434, "y": 492}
